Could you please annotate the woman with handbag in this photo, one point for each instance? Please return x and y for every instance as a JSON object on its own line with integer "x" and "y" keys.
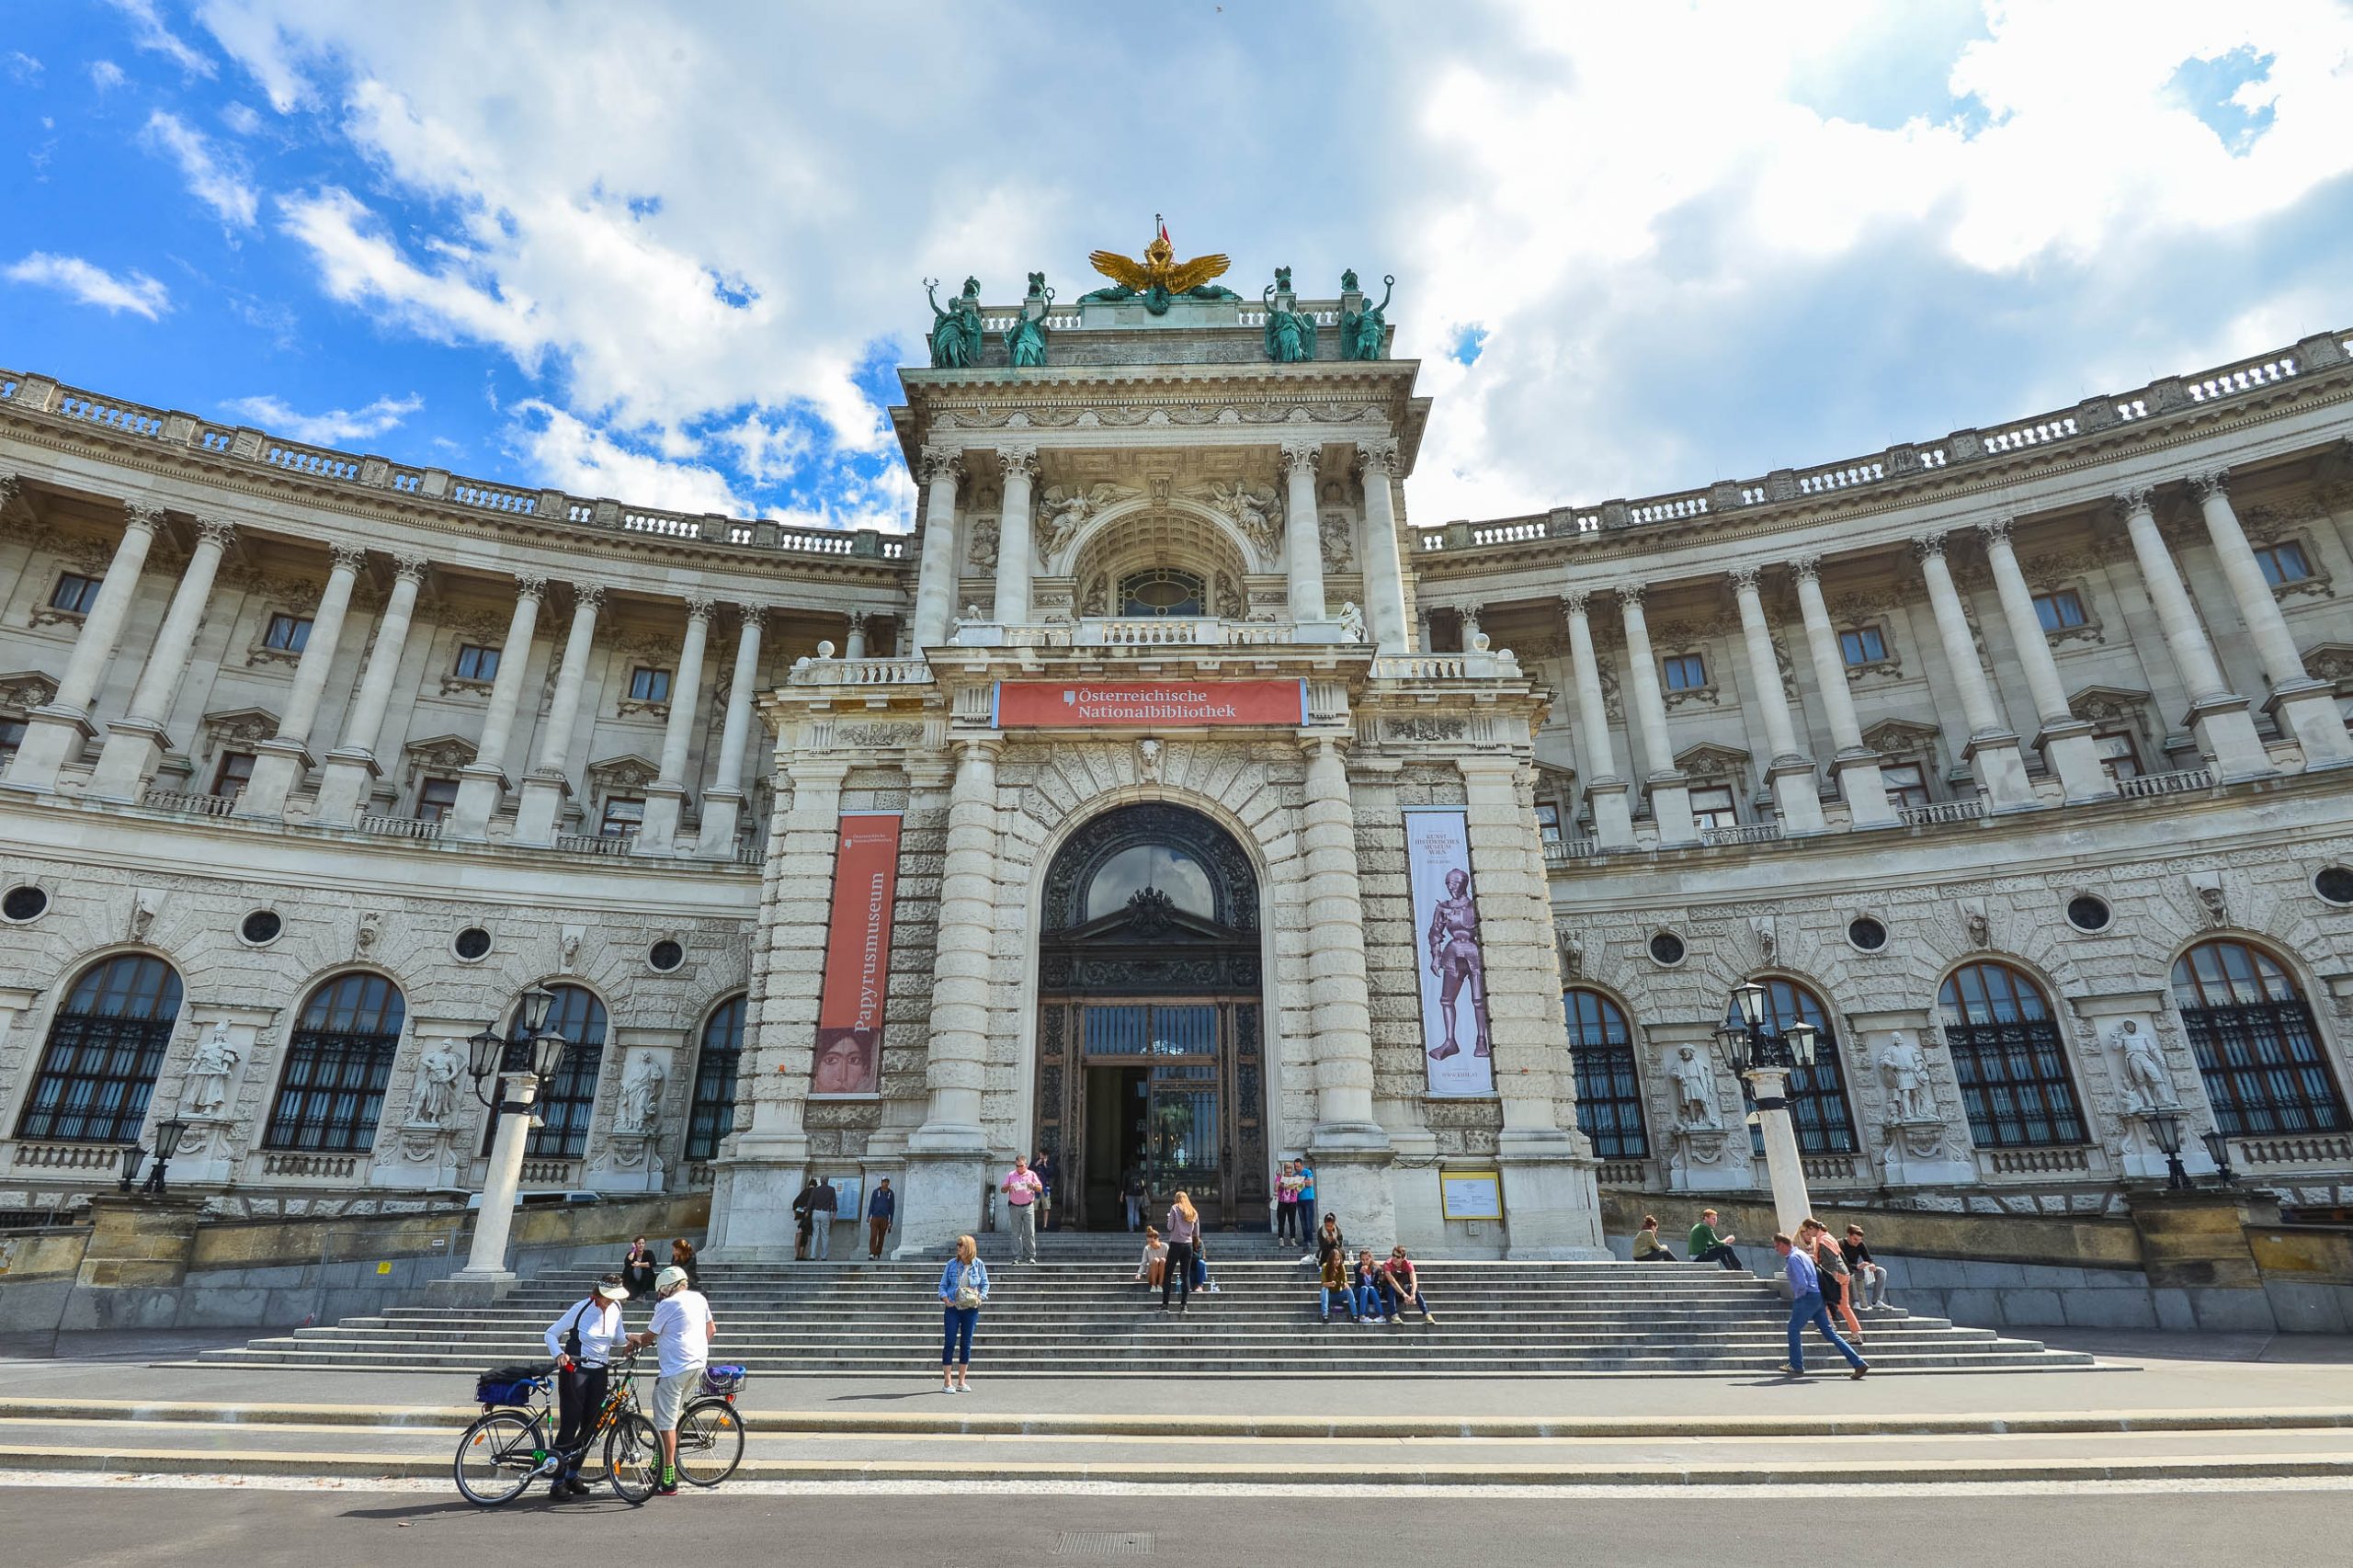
{"x": 1184, "y": 1234}
{"x": 963, "y": 1290}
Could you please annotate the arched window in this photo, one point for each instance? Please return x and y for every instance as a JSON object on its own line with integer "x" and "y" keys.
{"x": 571, "y": 1097}
{"x": 1164, "y": 590}
{"x": 1609, "y": 1097}
{"x": 2257, "y": 1045}
{"x": 2009, "y": 1059}
{"x": 1817, "y": 1095}
{"x": 711, "y": 1115}
{"x": 105, "y": 1046}
{"x": 331, "y": 1093}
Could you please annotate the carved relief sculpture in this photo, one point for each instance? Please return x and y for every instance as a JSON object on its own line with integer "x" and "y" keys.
{"x": 436, "y": 1095}
{"x": 2147, "y": 1083}
{"x": 1695, "y": 1089}
{"x": 640, "y": 1111}
{"x": 208, "y": 1073}
{"x": 1903, "y": 1073}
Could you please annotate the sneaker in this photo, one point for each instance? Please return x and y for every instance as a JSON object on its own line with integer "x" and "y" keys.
{"x": 1794, "y": 1371}
{"x": 1428, "y": 1318}
{"x": 1860, "y": 1368}
{"x": 667, "y": 1489}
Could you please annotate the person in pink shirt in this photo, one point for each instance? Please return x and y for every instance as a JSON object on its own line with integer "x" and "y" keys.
{"x": 1021, "y": 1188}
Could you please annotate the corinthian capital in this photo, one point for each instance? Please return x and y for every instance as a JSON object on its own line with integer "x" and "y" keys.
{"x": 1574, "y": 601}
{"x": 938, "y": 461}
{"x": 1997, "y": 530}
{"x": 2210, "y": 481}
{"x": 1806, "y": 569}
{"x": 1019, "y": 459}
{"x": 1377, "y": 457}
{"x": 142, "y": 515}
{"x": 1299, "y": 455}
{"x": 590, "y": 596}
{"x": 755, "y": 617}
{"x": 2133, "y": 498}
{"x": 1928, "y": 547}
{"x": 532, "y": 585}
{"x": 222, "y": 531}
{"x": 347, "y": 558}
{"x": 1743, "y": 578}
{"x": 410, "y": 568}
{"x": 1629, "y": 594}
{"x": 702, "y": 607}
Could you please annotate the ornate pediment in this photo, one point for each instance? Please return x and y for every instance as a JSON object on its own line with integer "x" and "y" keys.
{"x": 22, "y": 690}
{"x": 1901, "y": 737}
{"x": 239, "y": 726}
{"x": 2107, "y": 704}
{"x": 2325, "y": 661}
{"x": 627, "y": 772}
{"x": 1708, "y": 760}
{"x": 437, "y": 754}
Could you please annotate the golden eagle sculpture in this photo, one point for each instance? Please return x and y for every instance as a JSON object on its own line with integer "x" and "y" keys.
{"x": 1159, "y": 277}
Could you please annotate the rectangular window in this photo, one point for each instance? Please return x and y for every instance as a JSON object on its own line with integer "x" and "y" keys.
{"x": 1907, "y": 783}
{"x": 1712, "y": 807}
{"x": 649, "y": 685}
{"x": 2014, "y": 1083}
{"x": 288, "y": 633}
{"x": 12, "y": 735}
{"x": 476, "y": 663}
{"x": 1684, "y": 671}
{"x": 74, "y": 592}
{"x": 236, "y": 771}
{"x": 435, "y": 798}
{"x": 2283, "y": 563}
{"x": 2059, "y": 609}
{"x": 2118, "y": 755}
{"x": 1863, "y": 645}
{"x": 1548, "y": 819}
{"x": 623, "y": 816}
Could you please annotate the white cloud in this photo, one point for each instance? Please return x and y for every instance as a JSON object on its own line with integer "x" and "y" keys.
{"x": 565, "y": 452}
{"x": 241, "y": 119}
{"x": 21, "y": 67}
{"x": 336, "y": 428}
{"x": 106, "y": 76}
{"x": 135, "y": 291}
{"x": 213, "y": 181}
{"x": 148, "y": 33}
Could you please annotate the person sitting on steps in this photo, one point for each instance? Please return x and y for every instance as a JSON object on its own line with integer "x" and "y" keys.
{"x": 1335, "y": 1283}
{"x": 1153, "y": 1265}
{"x": 1706, "y": 1246}
{"x": 1404, "y": 1290}
{"x": 1648, "y": 1248}
{"x": 1370, "y": 1302}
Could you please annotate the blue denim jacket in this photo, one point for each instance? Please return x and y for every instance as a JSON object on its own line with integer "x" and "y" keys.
{"x": 953, "y": 1276}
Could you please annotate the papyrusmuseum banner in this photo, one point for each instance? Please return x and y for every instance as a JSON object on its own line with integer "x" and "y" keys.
{"x": 857, "y": 956}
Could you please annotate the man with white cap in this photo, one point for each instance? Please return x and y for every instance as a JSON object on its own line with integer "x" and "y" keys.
{"x": 581, "y": 1342}
{"x": 683, "y": 1327}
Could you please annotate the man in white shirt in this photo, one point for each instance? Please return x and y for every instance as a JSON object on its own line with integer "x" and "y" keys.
{"x": 683, "y": 1327}
{"x": 582, "y": 1341}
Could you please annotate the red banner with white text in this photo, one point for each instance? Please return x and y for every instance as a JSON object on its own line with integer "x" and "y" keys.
{"x": 857, "y": 956}
{"x": 1153, "y": 704}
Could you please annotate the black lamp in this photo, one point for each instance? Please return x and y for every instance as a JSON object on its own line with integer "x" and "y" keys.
{"x": 2218, "y": 1149}
{"x": 1750, "y": 998}
{"x": 2164, "y": 1126}
{"x": 484, "y": 1049}
{"x": 168, "y": 1143}
{"x": 547, "y": 1054}
{"x": 1801, "y": 1037}
{"x": 133, "y": 1157}
{"x": 1732, "y": 1048}
{"x": 531, "y": 1015}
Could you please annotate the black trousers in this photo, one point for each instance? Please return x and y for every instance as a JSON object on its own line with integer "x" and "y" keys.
{"x": 1177, "y": 1280}
{"x": 579, "y": 1394}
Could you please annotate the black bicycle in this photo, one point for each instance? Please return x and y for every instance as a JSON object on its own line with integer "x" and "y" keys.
{"x": 710, "y": 1429}
{"x": 509, "y": 1446}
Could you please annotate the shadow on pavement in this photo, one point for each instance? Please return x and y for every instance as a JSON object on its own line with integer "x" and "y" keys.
{"x": 2286, "y": 1349}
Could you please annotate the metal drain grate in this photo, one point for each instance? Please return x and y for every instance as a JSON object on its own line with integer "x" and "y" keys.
{"x": 1102, "y": 1543}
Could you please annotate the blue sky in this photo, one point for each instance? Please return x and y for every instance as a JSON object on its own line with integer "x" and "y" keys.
{"x": 673, "y": 252}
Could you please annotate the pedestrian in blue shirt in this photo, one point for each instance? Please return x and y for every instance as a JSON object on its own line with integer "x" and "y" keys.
{"x": 879, "y": 1211}
{"x": 1306, "y": 1177}
{"x": 1806, "y": 1306}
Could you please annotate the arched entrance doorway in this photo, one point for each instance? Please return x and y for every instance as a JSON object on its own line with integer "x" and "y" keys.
{"x": 1150, "y": 1057}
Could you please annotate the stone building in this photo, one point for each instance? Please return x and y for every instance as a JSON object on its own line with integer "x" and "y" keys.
{"x": 1171, "y": 800}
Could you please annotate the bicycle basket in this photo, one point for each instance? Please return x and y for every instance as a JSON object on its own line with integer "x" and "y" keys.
{"x": 722, "y": 1379}
{"x": 507, "y": 1385}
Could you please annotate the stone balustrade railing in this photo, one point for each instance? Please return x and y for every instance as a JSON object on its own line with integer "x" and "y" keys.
{"x": 170, "y": 427}
{"x": 2149, "y": 785}
{"x": 2168, "y": 394}
{"x": 1937, "y": 812}
{"x": 860, "y": 672}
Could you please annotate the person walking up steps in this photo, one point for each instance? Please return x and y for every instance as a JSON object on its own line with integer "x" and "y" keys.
{"x": 683, "y": 1328}
{"x": 1806, "y": 1307}
{"x": 963, "y": 1292}
{"x": 581, "y": 1342}
{"x": 1830, "y": 1267}
{"x": 879, "y": 1208}
{"x": 1184, "y": 1234}
{"x": 1021, "y": 1187}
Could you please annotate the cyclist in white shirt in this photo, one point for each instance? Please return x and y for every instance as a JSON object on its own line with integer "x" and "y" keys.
{"x": 582, "y": 1341}
{"x": 683, "y": 1327}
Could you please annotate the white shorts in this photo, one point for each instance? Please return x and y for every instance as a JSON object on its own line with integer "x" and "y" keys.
{"x": 670, "y": 1396}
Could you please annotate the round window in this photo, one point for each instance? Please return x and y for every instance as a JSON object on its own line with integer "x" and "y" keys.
{"x": 261, "y": 927}
{"x": 666, "y": 955}
{"x": 471, "y": 943}
{"x": 1867, "y": 934}
{"x": 2086, "y": 913}
{"x": 1666, "y": 947}
{"x": 2334, "y": 883}
{"x": 27, "y": 903}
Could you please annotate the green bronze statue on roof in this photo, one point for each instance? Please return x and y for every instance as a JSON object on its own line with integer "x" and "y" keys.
{"x": 1291, "y": 334}
{"x": 956, "y": 333}
{"x": 1364, "y": 334}
{"x": 1025, "y": 340}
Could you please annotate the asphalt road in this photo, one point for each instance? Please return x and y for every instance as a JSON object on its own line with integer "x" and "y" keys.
{"x": 124, "y": 1526}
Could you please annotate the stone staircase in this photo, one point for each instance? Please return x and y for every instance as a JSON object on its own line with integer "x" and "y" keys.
{"x": 1076, "y": 1313}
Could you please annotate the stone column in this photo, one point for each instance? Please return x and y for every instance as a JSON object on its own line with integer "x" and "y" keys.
{"x": 549, "y": 781}
{"x": 483, "y": 782}
{"x": 936, "y": 576}
{"x": 947, "y": 1156}
{"x": 1551, "y": 1206}
{"x": 665, "y": 797}
{"x": 2064, "y": 740}
{"x": 1856, "y": 766}
{"x": 2305, "y": 708}
{"x": 1013, "y": 536}
{"x": 854, "y": 641}
{"x": 723, "y": 802}
{"x": 137, "y": 743}
{"x": 352, "y": 765}
{"x": 1467, "y": 616}
{"x": 54, "y": 730}
{"x": 1303, "y": 534}
{"x": 1796, "y": 800}
{"x": 2217, "y": 714}
{"x": 279, "y": 762}
{"x": 1670, "y": 791}
{"x": 1384, "y": 572}
{"x": 1613, "y": 823}
{"x": 1351, "y": 1149}
{"x": 1992, "y": 748}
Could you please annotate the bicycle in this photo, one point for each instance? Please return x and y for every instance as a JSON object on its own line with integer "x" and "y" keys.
{"x": 508, "y": 1446}
{"x": 710, "y": 1429}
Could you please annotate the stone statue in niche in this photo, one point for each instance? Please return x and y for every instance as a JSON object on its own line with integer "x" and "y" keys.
{"x": 208, "y": 1073}
{"x": 1352, "y": 622}
{"x": 1695, "y": 1089}
{"x": 437, "y": 1086}
{"x": 2147, "y": 1084}
{"x": 640, "y": 1108}
{"x": 1903, "y": 1073}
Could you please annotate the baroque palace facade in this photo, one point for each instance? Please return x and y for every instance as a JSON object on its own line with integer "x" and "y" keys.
{"x": 1168, "y": 799}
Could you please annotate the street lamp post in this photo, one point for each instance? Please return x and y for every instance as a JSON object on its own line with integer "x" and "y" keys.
{"x": 168, "y": 1134}
{"x": 2164, "y": 1126}
{"x": 2218, "y": 1149}
{"x": 486, "y": 1264}
{"x": 1751, "y": 1048}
